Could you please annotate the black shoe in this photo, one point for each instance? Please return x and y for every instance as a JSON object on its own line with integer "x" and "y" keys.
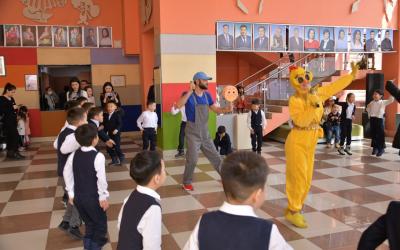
{"x": 374, "y": 151}
{"x": 180, "y": 154}
{"x": 348, "y": 151}
{"x": 64, "y": 225}
{"x": 15, "y": 156}
{"x": 19, "y": 155}
{"x": 75, "y": 233}
{"x": 380, "y": 152}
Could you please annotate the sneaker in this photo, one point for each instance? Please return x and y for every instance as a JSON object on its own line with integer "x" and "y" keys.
{"x": 374, "y": 151}
{"x": 114, "y": 163}
{"x": 341, "y": 151}
{"x": 75, "y": 233}
{"x": 21, "y": 149}
{"x": 187, "y": 187}
{"x": 64, "y": 226}
{"x": 180, "y": 154}
{"x": 380, "y": 152}
{"x": 348, "y": 150}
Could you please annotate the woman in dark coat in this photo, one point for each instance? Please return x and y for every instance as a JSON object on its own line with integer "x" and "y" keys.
{"x": 9, "y": 117}
{"x": 395, "y": 92}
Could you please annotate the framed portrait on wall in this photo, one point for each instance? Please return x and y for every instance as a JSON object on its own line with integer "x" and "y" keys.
{"x": 341, "y": 39}
{"x": 118, "y": 80}
{"x": 75, "y": 37}
{"x": 387, "y": 40}
{"x": 29, "y": 36}
{"x": 357, "y": 40}
{"x": 243, "y": 35}
{"x": 90, "y": 37}
{"x": 105, "y": 37}
{"x": 2, "y": 66}
{"x": 371, "y": 42}
{"x": 60, "y": 36}
{"x": 326, "y": 38}
{"x": 296, "y": 38}
{"x": 225, "y": 33}
{"x": 44, "y": 36}
{"x": 12, "y": 35}
{"x": 31, "y": 83}
{"x": 278, "y": 37}
{"x": 1, "y": 35}
{"x": 261, "y": 37}
{"x": 311, "y": 40}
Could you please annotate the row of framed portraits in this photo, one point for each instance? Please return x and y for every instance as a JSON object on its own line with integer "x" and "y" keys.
{"x": 295, "y": 38}
{"x": 15, "y": 35}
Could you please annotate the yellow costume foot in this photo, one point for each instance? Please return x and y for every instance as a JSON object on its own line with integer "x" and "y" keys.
{"x": 296, "y": 219}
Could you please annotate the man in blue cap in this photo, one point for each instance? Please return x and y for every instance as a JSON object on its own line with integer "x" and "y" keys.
{"x": 198, "y": 102}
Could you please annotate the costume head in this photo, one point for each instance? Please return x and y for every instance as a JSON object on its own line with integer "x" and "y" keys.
{"x": 300, "y": 79}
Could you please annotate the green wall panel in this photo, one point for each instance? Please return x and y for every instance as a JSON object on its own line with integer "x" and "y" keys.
{"x": 167, "y": 136}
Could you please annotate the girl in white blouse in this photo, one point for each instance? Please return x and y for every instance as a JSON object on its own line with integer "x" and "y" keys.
{"x": 376, "y": 112}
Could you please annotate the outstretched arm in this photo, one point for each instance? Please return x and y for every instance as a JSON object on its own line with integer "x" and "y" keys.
{"x": 327, "y": 91}
{"x": 393, "y": 90}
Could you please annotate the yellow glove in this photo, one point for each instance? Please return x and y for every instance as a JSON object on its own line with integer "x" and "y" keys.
{"x": 354, "y": 69}
{"x": 314, "y": 100}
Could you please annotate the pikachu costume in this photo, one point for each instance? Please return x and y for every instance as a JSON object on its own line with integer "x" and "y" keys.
{"x": 306, "y": 109}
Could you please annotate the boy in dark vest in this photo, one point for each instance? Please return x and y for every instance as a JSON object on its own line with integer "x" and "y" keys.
{"x": 139, "y": 220}
{"x": 66, "y": 144}
{"x": 256, "y": 122}
{"x": 85, "y": 180}
{"x": 235, "y": 225}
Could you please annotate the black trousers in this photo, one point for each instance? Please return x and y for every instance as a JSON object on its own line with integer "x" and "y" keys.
{"x": 345, "y": 131}
{"x": 377, "y": 133}
{"x": 181, "y": 144}
{"x": 257, "y": 139}
{"x": 385, "y": 227}
{"x": 115, "y": 151}
{"x": 12, "y": 137}
{"x": 149, "y": 136}
{"x": 94, "y": 216}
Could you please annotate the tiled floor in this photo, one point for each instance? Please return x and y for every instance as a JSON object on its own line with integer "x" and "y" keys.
{"x": 348, "y": 193}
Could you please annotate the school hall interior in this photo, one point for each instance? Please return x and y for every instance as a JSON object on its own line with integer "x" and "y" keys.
{"x": 150, "y": 50}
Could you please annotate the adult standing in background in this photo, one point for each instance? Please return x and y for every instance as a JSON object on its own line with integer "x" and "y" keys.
{"x": 198, "y": 102}
{"x": 51, "y": 98}
{"x": 109, "y": 95}
{"x": 9, "y": 117}
{"x": 75, "y": 90}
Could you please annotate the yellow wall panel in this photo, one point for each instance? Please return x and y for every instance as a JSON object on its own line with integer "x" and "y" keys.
{"x": 27, "y": 98}
{"x": 101, "y": 73}
{"x": 63, "y": 56}
{"x": 130, "y": 95}
{"x": 181, "y": 68}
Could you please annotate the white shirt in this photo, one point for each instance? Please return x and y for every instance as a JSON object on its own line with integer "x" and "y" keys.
{"x": 377, "y": 108}
{"x": 21, "y": 127}
{"x": 96, "y": 122}
{"x": 70, "y": 144}
{"x": 263, "y": 120}
{"x": 147, "y": 119}
{"x": 74, "y": 95}
{"x": 99, "y": 166}
{"x": 92, "y": 100}
{"x": 150, "y": 224}
{"x": 349, "y": 110}
{"x": 175, "y": 111}
{"x": 276, "y": 242}
{"x": 55, "y": 142}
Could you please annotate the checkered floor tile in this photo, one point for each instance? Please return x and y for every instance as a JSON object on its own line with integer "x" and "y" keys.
{"x": 348, "y": 193}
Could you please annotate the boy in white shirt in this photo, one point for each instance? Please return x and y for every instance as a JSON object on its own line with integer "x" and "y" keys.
{"x": 175, "y": 111}
{"x": 256, "y": 122}
{"x": 85, "y": 180}
{"x": 376, "y": 113}
{"x": 235, "y": 225}
{"x": 139, "y": 221}
{"x": 147, "y": 123}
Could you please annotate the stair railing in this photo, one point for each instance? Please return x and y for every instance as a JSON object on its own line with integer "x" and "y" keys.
{"x": 261, "y": 70}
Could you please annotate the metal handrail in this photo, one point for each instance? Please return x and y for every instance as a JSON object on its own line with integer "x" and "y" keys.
{"x": 277, "y": 72}
{"x": 261, "y": 70}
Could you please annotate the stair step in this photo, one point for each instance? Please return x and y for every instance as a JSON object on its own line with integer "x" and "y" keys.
{"x": 274, "y": 108}
{"x": 277, "y": 102}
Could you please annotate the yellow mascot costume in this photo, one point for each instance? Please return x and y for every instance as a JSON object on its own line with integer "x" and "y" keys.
{"x": 306, "y": 109}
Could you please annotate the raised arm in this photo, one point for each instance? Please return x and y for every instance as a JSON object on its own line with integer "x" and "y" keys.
{"x": 327, "y": 91}
{"x": 182, "y": 101}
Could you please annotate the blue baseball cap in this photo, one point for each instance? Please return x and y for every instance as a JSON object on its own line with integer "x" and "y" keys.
{"x": 201, "y": 76}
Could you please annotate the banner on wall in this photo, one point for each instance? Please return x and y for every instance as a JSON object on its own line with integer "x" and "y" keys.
{"x": 15, "y": 35}
{"x": 266, "y": 37}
